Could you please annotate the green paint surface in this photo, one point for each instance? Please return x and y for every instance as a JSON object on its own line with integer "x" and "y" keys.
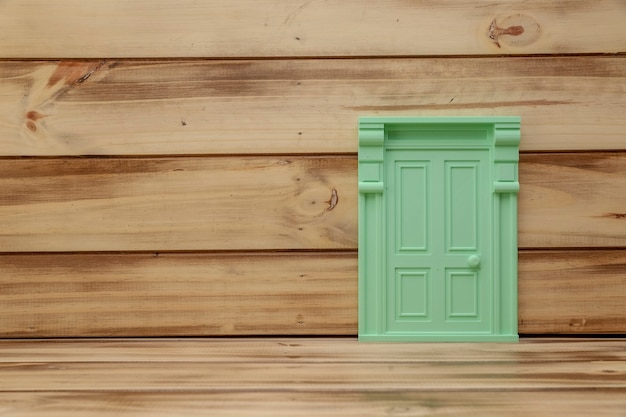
{"x": 438, "y": 229}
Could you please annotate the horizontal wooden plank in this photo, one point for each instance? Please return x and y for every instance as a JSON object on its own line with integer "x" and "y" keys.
{"x": 178, "y": 203}
{"x": 122, "y": 107}
{"x": 307, "y": 350}
{"x": 303, "y": 376}
{"x": 609, "y": 403}
{"x": 252, "y": 28}
{"x": 269, "y": 203}
{"x": 177, "y": 295}
{"x": 87, "y": 295}
{"x": 297, "y": 377}
{"x": 581, "y": 291}
{"x": 572, "y": 200}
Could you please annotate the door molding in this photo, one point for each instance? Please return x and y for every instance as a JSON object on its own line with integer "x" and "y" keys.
{"x": 501, "y": 136}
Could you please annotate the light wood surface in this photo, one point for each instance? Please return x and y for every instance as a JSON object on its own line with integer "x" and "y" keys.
{"x": 253, "y": 28}
{"x": 484, "y": 403}
{"x": 90, "y": 295}
{"x": 303, "y": 377}
{"x": 178, "y": 294}
{"x": 270, "y": 350}
{"x": 572, "y": 292}
{"x": 122, "y": 107}
{"x": 572, "y": 200}
{"x": 327, "y": 377}
{"x": 269, "y": 203}
{"x": 178, "y": 203}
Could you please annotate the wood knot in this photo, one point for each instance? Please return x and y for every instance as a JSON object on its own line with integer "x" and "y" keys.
{"x": 32, "y": 126}
{"x": 334, "y": 199}
{"x": 519, "y": 30}
{"x": 31, "y": 120}
{"x": 34, "y": 115}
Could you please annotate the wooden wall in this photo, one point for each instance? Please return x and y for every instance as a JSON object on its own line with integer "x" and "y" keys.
{"x": 167, "y": 168}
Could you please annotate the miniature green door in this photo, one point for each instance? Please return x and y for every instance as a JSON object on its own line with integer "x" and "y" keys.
{"x": 438, "y": 228}
{"x": 438, "y": 205}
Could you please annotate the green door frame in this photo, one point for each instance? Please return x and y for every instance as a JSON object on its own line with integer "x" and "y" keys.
{"x": 501, "y": 137}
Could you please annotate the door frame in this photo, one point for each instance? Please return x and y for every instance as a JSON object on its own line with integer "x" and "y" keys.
{"x": 501, "y": 136}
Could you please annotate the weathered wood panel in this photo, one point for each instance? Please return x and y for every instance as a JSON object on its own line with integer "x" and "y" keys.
{"x": 178, "y": 203}
{"x": 269, "y": 203}
{"x": 132, "y": 376}
{"x": 597, "y": 402}
{"x": 310, "y": 350}
{"x": 81, "y": 295}
{"x": 253, "y": 28}
{"x": 572, "y": 200}
{"x": 298, "y": 106}
{"x": 580, "y": 291}
{"x": 177, "y": 295}
{"x": 302, "y": 377}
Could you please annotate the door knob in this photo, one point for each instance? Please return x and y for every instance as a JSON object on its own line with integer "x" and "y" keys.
{"x": 473, "y": 261}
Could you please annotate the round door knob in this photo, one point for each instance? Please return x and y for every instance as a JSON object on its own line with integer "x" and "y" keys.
{"x": 473, "y": 261}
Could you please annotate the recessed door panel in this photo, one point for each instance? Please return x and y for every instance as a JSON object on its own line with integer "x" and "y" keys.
{"x": 411, "y": 211}
{"x": 412, "y": 292}
{"x": 461, "y": 205}
{"x": 462, "y": 295}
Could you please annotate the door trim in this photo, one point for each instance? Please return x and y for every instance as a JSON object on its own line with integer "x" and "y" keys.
{"x": 501, "y": 136}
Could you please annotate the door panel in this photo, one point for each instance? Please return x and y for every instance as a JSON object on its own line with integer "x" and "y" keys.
{"x": 412, "y": 211}
{"x": 461, "y": 205}
{"x": 439, "y": 230}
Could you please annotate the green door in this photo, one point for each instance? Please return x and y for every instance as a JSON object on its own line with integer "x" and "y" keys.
{"x": 438, "y": 274}
{"x": 438, "y": 228}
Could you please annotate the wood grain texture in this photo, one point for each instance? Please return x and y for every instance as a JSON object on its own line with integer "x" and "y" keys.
{"x": 303, "y": 377}
{"x": 126, "y": 295}
{"x": 572, "y": 200}
{"x": 177, "y": 203}
{"x": 269, "y": 203}
{"x": 609, "y": 403}
{"x": 306, "y": 349}
{"x": 327, "y": 377}
{"x": 582, "y": 291}
{"x": 109, "y": 107}
{"x": 271, "y": 28}
{"x": 177, "y": 294}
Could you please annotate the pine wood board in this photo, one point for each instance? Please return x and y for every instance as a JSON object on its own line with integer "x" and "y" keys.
{"x": 309, "y": 350}
{"x": 269, "y": 203}
{"x": 299, "y": 377}
{"x": 600, "y": 403}
{"x": 582, "y": 291}
{"x": 91, "y": 295}
{"x": 265, "y": 203}
{"x": 302, "y": 376}
{"x": 134, "y": 107}
{"x": 177, "y": 294}
{"x": 484, "y": 404}
{"x": 273, "y": 28}
{"x": 572, "y": 200}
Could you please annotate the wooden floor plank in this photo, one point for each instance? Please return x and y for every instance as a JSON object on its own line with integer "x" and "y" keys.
{"x": 293, "y": 350}
{"x": 91, "y": 295}
{"x": 300, "y": 377}
{"x": 269, "y": 203}
{"x": 186, "y": 28}
{"x": 122, "y": 107}
{"x": 321, "y": 404}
